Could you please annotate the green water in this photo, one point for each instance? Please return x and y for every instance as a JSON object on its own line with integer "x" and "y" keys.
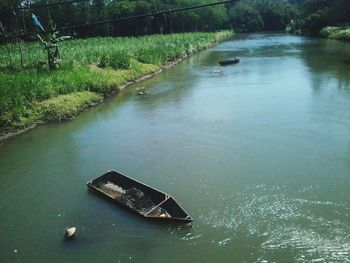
{"x": 260, "y": 158}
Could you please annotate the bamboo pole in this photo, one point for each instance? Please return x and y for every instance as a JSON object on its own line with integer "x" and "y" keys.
{"x": 6, "y": 46}
{"x": 18, "y": 40}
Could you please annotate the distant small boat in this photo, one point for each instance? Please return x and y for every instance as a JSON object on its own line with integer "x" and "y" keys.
{"x": 138, "y": 197}
{"x": 229, "y": 62}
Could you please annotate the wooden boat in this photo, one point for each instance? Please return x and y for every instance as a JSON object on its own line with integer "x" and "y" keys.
{"x": 138, "y": 197}
{"x": 229, "y": 62}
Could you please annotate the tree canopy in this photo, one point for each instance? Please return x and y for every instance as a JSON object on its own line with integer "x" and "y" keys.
{"x": 307, "y": 16}
{"x": 85, "y": 12}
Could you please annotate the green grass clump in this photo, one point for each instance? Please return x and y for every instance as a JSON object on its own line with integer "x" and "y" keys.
{"x": 119, "y": 59}
{"x": 341, "y": 33}
{"x": 66, "y": 107}
{"x": 97, "y": 65}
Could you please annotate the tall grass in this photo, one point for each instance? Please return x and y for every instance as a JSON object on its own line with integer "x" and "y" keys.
{"x": 155, "y": 49}
{"x": 99, "y": 65}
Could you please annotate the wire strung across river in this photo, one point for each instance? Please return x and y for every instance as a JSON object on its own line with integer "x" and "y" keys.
{"x": 123, "y": 19}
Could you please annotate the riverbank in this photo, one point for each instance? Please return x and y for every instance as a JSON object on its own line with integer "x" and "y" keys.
{"x": 340, "y": 33}
{"x": 91, "y": 70}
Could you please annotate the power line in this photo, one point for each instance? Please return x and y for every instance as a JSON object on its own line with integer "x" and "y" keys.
{"x": 147, "y": 15}
{"x": 125, "y": 18}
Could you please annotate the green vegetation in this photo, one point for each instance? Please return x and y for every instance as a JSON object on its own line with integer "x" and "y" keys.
{"x": 318, "y": 14}
{"x": 65, "y": 107}
{"x": 342, "y": 33}
{"x": 91, "y": 69}
{"x": 262, "y": 15}
{"x": 206, "y": 19}
{"x": 296, "y": 16}
{"x": 307, "y": 17}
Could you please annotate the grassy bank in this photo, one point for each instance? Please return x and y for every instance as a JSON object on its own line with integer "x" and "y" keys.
{"x": 90, "y": 70}
{"x": 341, "y": 33}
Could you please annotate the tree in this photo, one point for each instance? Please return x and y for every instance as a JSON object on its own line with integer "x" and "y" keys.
{"x": 276, "y": 15}
{"x": 246, "y": 18}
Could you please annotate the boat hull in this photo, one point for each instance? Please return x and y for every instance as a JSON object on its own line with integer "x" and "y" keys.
{"x": 229, "y": 62}
{"x": 139, "y": 198}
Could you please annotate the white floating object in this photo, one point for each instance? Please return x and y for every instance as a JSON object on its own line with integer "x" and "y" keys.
{"x": 15, "y": 251}
{"x": 70, "y": 232}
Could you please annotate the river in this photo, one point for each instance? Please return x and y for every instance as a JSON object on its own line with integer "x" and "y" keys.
{"x": 259, "y": 157}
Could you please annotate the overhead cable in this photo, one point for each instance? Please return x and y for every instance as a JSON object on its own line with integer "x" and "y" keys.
{"x": 125, "y": 18}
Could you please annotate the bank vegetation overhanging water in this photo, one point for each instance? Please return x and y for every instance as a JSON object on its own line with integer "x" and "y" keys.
{"x": 339, "y": 33}
{"x": 321, "y": 18}
{"x": 91, "y": 69}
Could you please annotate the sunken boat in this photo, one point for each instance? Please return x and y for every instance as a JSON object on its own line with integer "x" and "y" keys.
{"x": 229, "y": 62}
{"x": 138, "y": 197}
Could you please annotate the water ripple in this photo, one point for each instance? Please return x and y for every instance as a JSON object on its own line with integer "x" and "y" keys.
{"x": 313, "y": 230}
{"x": 309, "y": 245}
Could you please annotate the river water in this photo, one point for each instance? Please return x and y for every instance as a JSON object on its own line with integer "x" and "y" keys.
{"x": 260, "y": 158}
